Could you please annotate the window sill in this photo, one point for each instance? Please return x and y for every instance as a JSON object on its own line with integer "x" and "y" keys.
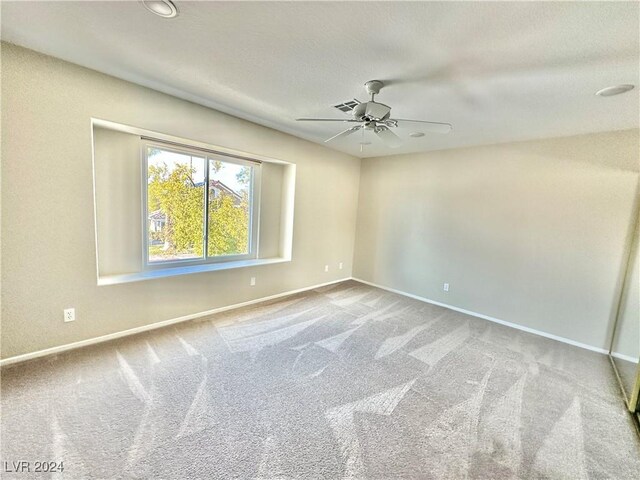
{"x": 187, "y": 270}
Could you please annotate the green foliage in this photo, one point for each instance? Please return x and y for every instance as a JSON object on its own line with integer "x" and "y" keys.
{"x": 174, "y": 192}
{"x": 243, "y": 176}
{"x": 228, "y": 226}
{"x": 215, "y": 166}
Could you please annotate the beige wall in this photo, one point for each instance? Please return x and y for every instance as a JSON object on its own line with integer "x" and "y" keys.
{"x": 531, "y": 233}
{"x": 118, "y": 190}
{"x": 48, "y": 245}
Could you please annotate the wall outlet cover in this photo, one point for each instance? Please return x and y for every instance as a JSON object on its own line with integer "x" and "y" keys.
{"x": 69, "y": 314}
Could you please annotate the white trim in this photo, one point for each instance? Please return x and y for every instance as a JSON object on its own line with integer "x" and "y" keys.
{"x": 153, "y": 326}
{"x": 165, "y": 323}
{"x": 627, "y": 358}
{"x": 491, "y": 319}
{"x": 95, "y": 196}
{"x": 287, "y": 211}
{"x": 186, "y": 270}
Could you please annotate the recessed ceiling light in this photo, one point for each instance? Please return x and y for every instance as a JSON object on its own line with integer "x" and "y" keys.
{"x": 162, "y": 8}
{"x": 615, "y": 90}
{"x": 416, "y": 134}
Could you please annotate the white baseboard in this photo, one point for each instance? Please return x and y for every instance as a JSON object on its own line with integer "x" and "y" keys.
{"x": 491, "y": 319}
{"x": 627, "y": 358}
{"x": 173, "y": 321}
{"x": 153, "y": 326}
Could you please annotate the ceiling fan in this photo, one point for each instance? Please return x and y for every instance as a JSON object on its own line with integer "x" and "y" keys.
{"x": 376, "y": 117}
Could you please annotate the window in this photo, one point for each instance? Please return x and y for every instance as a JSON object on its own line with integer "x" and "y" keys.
{"x": 199, "y": 207}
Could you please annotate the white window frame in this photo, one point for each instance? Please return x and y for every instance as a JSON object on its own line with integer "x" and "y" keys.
{"x": 254, "y": 206}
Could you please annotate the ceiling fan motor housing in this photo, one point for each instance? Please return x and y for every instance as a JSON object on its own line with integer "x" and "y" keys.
{"x": 371, "y": 111}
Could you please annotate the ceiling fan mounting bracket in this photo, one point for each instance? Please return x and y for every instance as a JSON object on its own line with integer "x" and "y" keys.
{"x": 373, "y": 87}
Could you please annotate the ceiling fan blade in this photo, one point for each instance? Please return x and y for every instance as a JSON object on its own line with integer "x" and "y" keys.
{"x": 388, "y": 137}
{"x": 435, "y": 127}
{"x": 348, "y": 131}
{"x": 326, "y": 120}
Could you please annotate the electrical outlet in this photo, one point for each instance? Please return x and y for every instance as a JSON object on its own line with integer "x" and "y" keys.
{"x": 253, "y": 281}
{"x": 340, "y": 266}
{"x": 69, "y": 314}
{"x": 446, "y": 287}
{"x": 326, "y": 268}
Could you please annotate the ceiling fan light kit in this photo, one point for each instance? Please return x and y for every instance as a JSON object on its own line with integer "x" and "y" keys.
{"x": 376, "y": 117}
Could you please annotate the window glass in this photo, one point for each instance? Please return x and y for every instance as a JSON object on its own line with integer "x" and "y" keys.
{"x": 200, "y": 208}
{"x": 229, "y": 223}
{"x": 175, "y": 205}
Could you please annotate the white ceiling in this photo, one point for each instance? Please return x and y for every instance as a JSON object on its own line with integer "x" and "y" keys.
{"x": 498, "y": 72}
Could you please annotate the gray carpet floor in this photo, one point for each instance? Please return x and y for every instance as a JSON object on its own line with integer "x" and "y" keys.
{"x": 346, "y": 381}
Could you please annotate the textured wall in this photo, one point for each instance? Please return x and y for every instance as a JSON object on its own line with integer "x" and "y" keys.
{"x": 49, "y": 255}
{"x": 531, "y": 232}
